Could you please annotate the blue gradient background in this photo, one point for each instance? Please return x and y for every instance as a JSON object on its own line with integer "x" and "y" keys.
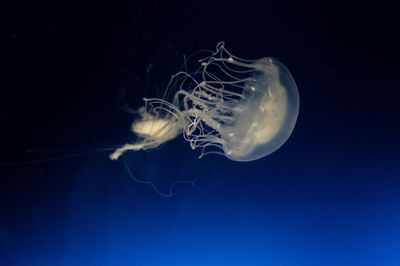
{"x": 329, "y": 196}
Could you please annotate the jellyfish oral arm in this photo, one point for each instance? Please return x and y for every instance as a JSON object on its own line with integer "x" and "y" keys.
{"x": 127, "y": 147}
{"x": 153, "y": 132}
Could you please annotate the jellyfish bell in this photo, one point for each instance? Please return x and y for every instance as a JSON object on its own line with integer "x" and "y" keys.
{"x": 242, "y": 109}
{"x": 265, "y": 115}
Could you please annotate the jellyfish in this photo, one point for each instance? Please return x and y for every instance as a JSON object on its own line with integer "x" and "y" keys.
{"x": 239, "y": 108}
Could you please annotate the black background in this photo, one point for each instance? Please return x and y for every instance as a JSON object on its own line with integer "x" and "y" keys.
{"x": 330, "y": 196}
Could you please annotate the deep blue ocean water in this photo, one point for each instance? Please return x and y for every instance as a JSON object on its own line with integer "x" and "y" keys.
{"x": 329, "y": 196}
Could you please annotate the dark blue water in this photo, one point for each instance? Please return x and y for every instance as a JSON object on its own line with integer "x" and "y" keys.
{"x": 329, "y": 196}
